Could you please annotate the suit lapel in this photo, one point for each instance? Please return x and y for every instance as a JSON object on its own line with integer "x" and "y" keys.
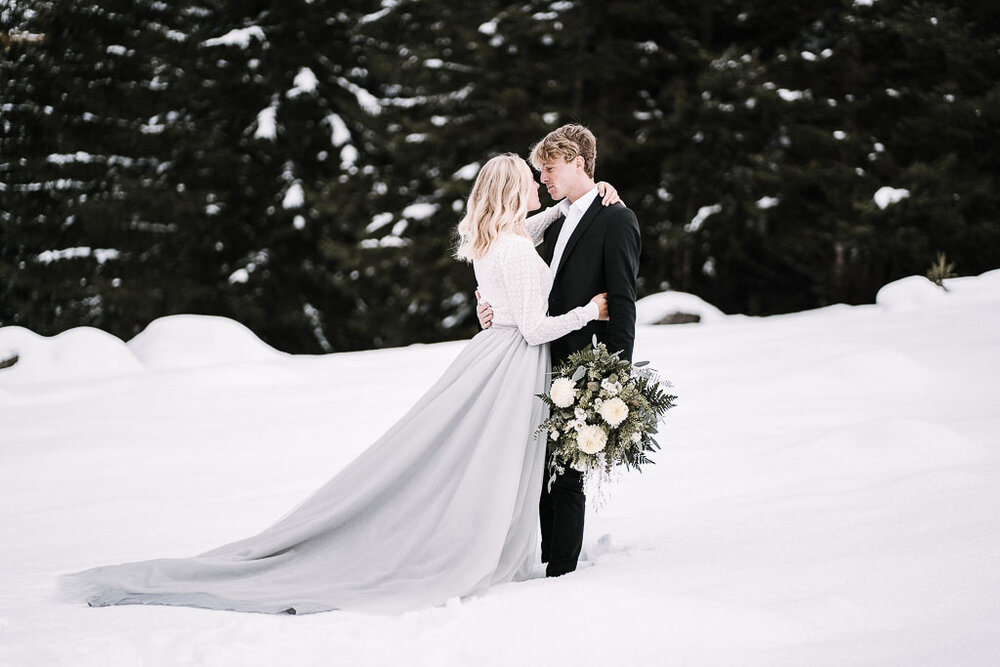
{"x": 581, "y": 227}
{"x": 550, "y": 237}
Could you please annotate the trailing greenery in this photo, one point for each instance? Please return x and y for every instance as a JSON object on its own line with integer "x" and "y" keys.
{"x": 301, "y": 166}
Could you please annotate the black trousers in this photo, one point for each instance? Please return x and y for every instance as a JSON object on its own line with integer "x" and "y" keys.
{"x": 561, "y": 511}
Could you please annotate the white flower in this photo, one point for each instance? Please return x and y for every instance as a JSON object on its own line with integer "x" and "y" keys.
{"x": 591, "y": 439}
{"x": 554, "y": 435}
{"x": 580, "y": 414}
{"x": 614, "y": 411}
{"x": 563, "y": 392}
{"x": 636, "y": 437}
{"x": 611, "y": 387}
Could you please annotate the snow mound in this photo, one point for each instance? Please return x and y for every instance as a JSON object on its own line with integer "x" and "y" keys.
{"x": 973, "y": 289}
{"x": 909, "y": 293}
{"x": 655, "y": 307}
{"x": 918, "y": 292}
{"x": 192, "y": 341}
{"x": 82, "y": 352}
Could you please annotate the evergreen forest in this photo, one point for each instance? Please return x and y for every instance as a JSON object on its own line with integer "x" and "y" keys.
{"x": 301, "y": 166}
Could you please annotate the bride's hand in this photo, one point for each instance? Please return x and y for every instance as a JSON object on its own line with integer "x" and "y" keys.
{"x": 608, "y": 192}
{"x": 602, "y": 305}
{"x": 484, "y": 312}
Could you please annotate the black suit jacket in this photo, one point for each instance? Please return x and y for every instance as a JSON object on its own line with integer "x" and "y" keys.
{"x": 602, "y": 255}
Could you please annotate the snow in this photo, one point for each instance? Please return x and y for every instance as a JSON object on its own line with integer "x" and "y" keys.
{"x": 294, "y": 196}
{"x": 368, "y": 102}
{"x": 653, "y": 308}
{"x": 304, "y": 82}
{"x": 237, "y": 37}
{"x": 339, "y": 134}
{"x": 389, "y": 241}
{"x": 703, "y": 213}
{"x": 887, "y": 196}
{"x": 80, "y": 353}
{"x": 420, "y": 210}
{"x": 909, "y": 293}
{"x": 195, "y": 341}
{"x": 348, "y": 156}
{"x": 239, "y": 276}
{"x": 828, "y": 493}
{"x": 371, "y": 18}
{"x": 79, "y": 156}
{"x": 100, "y": 254}
{"x": 917, "y": 292}
{"x": 379, "y": 221}
{"x": 267, "y": 125}
{"x": 790, "y": 95}
{"x": 468, "y": 172}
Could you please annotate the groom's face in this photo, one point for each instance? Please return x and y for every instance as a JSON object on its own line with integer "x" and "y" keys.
{"x": 558, "y": 176}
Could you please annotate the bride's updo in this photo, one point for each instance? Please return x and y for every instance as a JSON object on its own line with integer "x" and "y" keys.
{"x": 498, "y": 204}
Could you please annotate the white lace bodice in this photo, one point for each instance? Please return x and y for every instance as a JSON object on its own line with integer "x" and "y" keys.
{"x": 516, "y": 282}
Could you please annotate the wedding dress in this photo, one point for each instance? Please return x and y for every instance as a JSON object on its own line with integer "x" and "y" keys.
{"x": 444, "y": 504}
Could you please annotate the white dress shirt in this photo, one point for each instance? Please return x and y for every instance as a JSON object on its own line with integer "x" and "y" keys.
{"x": 573, "y": 214}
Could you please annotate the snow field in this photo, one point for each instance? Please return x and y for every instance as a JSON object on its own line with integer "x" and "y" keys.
{"x": 827, "y": 494}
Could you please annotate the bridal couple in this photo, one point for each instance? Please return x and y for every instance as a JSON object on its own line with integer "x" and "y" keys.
{"x": 448, "y": 501}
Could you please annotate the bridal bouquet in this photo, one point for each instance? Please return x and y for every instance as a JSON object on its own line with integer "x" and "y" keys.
{"x": 604, "y": 412}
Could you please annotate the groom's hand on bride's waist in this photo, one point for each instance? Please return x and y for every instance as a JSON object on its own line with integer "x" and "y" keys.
{"x": 484, "y": 312}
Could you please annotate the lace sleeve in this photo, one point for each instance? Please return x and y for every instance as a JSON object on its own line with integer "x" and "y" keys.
{"x": 521, "y": 270}
{"x": 539, "y": 222}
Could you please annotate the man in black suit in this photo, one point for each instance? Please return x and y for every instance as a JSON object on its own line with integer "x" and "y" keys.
{"x": 591, "y": 249}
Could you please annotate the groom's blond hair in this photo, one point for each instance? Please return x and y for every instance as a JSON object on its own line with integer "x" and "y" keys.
{"x": 565, "y": 143}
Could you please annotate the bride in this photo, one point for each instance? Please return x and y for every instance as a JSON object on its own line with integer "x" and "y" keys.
{"x": 444, "y": 504}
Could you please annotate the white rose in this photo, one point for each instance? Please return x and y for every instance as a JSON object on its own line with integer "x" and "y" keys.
{"x": 614, "y": 411}
{"x": 611, "y": 387}
{"x": 554, "y": 435}
{"x": 580, "y": 414}
{"x": 563, "y": 392}
{"x": 591, "y": 439}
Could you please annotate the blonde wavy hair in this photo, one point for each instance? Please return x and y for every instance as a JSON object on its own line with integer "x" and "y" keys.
{"x": 498, "y": 203}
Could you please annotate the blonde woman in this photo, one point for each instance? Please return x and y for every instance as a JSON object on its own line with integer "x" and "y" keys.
{"x": 444, "y": 504}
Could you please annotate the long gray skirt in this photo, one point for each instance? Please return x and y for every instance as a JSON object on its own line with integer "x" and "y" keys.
{"x": 443, "y": 505}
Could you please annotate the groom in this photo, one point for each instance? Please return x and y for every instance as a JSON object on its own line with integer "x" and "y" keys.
{"x": 590, "y": 249}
